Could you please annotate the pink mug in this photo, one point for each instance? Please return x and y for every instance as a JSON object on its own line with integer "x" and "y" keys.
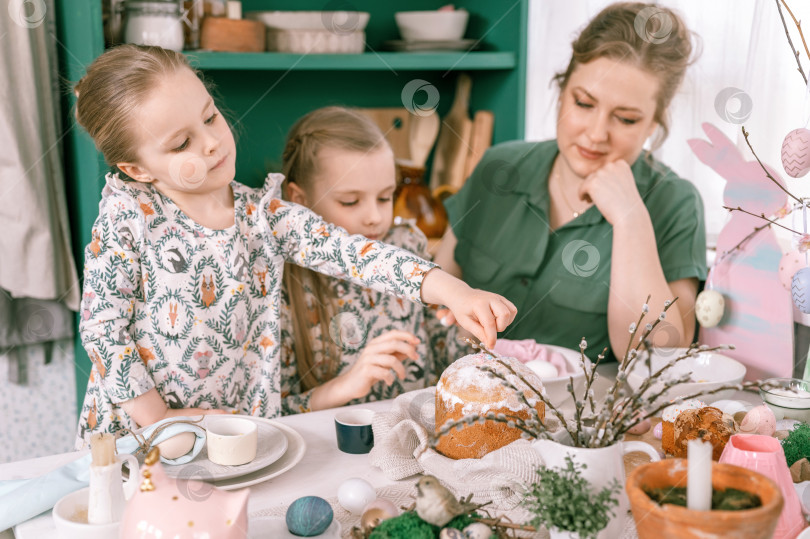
{"x": 765, "y": 455}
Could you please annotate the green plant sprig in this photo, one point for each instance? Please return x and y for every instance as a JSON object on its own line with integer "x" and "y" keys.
{"x": 562, "y": 498}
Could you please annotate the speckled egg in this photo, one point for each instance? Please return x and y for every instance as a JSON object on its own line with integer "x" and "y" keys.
{"x": 788, "y": 266}
{"x": 479, "y": 530}
{"x": 800, "y": 289}
{"x": 640, "y": 428}
{"x": 759, "y": 420}
{"x": 709, "y": 308}
{"x": 451, "y": 533}
{"x": 658, "y": 431}
{"x": 543, "y": 369}
{"x": 796, "y": 152}
{"x": 309, "y": 516}
{"x": 355, "y": 494}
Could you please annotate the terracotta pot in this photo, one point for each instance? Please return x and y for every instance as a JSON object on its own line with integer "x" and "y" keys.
{"x": 654, "y": 521}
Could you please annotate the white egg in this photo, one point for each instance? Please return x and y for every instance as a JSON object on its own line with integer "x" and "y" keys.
{"x": 709, "y": 308}
{"x": 177, "y": 446}
{"x": 543, "y": 369}
{"x": 355, "y": 494}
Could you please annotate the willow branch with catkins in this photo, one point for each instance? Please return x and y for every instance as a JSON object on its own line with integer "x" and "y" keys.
{"x": 623, "y": 407}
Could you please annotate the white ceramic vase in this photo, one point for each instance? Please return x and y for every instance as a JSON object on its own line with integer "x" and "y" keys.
{"x": 603, "y": 464}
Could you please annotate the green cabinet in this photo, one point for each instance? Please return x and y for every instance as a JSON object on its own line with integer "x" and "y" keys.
{"x": 264, "y": 93}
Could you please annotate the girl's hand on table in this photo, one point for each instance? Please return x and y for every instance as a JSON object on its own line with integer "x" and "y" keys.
{"x": 613, "y": 190}
{"x": 481, "y": 313}
{"x": 381, "y": 360}
{"x": 149, "y": 408}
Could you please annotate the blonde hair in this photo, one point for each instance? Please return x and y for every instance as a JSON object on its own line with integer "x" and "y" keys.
{"x": 116, "y": 84}
{"x": 328, "y": 127}
{"x": 649, "y": 36}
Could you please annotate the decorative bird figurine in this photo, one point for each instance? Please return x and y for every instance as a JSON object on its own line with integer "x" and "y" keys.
{"x": 436, "y": 505}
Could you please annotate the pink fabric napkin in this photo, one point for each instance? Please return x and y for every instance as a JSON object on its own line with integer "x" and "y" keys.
{"x": 528, "y": 350}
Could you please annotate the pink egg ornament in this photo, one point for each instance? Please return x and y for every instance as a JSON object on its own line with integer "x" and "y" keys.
{"x": 788, "y": 266}
{"x": 759, "y": 420}
{"x": 658, "y": 431}
{"x": 796, "y": 152}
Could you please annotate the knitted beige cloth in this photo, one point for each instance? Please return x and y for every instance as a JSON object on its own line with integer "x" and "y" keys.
{"x": 402, "y": 449}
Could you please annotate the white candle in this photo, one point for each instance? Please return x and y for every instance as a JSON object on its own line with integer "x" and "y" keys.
{"x": 699, "y": 477}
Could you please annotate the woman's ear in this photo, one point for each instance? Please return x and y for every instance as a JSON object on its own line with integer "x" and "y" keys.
{"x": 135, "y": 172}
{"x": 296, "y": 194}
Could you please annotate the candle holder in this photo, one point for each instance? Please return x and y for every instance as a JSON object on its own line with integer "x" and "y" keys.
{"x": 654, "y": 521}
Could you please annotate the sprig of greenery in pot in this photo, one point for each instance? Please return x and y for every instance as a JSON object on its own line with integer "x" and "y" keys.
{"x": 563, "y": 499}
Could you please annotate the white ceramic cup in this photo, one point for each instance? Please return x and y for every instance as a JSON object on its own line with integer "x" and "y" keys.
{"x": 231, "y": 441}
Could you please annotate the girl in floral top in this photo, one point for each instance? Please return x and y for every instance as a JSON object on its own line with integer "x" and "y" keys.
{"x": 180, "y": 311}
{"x": 343, "y": 342}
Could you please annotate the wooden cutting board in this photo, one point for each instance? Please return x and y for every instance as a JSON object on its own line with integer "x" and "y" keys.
{"x": 454, "y": 139}
{"x": 480, "y": 140}
{"x": 395, "y": 123}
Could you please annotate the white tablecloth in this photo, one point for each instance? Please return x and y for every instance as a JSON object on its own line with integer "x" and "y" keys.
{"x": 323, "y": 468}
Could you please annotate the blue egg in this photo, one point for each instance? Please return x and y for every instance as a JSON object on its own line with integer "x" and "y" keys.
{"x": 800, "y": 287}
{"x": 309, "y": 516}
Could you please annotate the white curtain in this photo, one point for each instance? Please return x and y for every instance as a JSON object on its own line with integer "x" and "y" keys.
{"x": 743, "y": 46}
{"x": 35, "y": 256}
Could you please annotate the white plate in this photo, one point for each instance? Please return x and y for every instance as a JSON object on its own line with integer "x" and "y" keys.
{"x": 276, "y": 527}
{"x": 296, "y": 447}
{"x": 271, "y": 447}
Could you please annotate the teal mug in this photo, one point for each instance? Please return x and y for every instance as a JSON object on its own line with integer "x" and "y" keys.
{"x": 353, "y": 428}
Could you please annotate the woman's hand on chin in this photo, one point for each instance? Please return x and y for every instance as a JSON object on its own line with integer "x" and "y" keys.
{"x": 613, "y": 190}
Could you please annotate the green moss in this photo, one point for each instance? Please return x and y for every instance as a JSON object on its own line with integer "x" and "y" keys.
{"x": 730, "y": 499}
{"x": 409, "y": 525}
{"x": 797, "y": 444}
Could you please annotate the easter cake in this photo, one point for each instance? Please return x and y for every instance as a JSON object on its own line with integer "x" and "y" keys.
{"x": 708, "y": 424}
{"x": 668, "y": 417}
{"x": 464, "y": 389}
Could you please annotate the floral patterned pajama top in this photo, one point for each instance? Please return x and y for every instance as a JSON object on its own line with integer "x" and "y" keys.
{"x": 362, "y": 315}
{"x": 194, "y": 312}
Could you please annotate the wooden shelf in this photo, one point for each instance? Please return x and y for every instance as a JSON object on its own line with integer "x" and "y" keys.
{"x": 369, "y": 61}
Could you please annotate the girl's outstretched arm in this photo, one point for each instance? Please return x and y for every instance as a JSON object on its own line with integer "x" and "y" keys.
{"x": 303, "y": 238}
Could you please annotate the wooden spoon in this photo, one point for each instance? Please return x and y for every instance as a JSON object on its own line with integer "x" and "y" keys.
{"x": 422, "y": 134}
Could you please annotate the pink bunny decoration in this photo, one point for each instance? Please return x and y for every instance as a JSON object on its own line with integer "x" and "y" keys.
{"x": 758, "y": 317}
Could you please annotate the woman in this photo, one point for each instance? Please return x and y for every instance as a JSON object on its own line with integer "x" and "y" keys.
{"x": 579, "y": 230}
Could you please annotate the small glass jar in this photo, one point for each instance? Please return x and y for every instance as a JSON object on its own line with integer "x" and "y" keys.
{"x": 154, "y": 22}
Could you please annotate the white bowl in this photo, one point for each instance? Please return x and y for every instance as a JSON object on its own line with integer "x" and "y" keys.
{"x": 66, "y": 517}
{"x": 341, "y": 22}
{"x": 432, "y": 25}
{"x": 556, "y": 390}
{"x": 789, "y": 399}
{"x": 708, "y": 370}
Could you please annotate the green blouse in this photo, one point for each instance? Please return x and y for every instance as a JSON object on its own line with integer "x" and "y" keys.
{"x": 559, "y": 279}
